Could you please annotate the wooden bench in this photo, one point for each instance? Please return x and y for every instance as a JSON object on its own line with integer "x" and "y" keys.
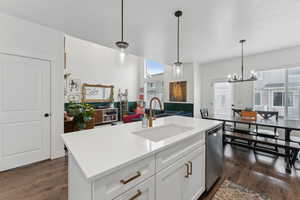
{"x": 253, "y": 115}
{"x": 292, "y": 148}
{"x": 254, "y": 131}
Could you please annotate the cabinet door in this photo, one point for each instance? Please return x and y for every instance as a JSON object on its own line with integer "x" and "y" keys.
{"x": 170, "y": 182}
{"x": 143, "y": 191}
{"x": 195, "y": 184}
{"x": 98, "y": 116}
{"x": 122, "y": 180}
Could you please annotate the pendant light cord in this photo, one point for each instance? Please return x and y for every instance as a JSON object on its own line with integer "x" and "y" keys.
{"x": 122, "y": 21}
{"x": 122, "y": 45}
{"x": 242, "y": 42}
{"x": 235, "y": 78}
{"x": 178, "y": 39}
{"x": 178, "y": 14}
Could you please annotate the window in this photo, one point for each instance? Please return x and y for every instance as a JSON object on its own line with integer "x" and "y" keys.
{"x": 271, "y": 88}
{"x": 257, "y": 98}
{"x": 153, "y": 67}
{"x": 278, "y": 90}
{"x": 291, "y": 99}
{"x": 154, "y": 84}
{"x": 278, "y": 99}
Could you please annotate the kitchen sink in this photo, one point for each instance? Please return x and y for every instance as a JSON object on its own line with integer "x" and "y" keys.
{"x": 162, "y": 132}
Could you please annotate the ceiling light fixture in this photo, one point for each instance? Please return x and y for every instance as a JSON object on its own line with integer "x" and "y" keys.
{"x": 235, "y": 78}
{"x": 122, "y": 45}
{"x": 178, "y": 67}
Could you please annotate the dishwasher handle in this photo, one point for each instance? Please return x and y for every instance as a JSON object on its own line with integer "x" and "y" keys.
{"x": 214, "y": 130}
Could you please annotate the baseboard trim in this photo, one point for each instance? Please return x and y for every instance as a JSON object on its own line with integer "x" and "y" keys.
{"x": 58, "y": 154}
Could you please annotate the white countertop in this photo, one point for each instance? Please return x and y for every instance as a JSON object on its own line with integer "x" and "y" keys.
{"x": 100, "y": 151}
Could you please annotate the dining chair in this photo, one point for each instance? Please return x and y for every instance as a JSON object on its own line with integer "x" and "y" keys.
{"x": 204, "y": 113}
{"x": 267, "y": 132}
{"x": 295, "y": 137}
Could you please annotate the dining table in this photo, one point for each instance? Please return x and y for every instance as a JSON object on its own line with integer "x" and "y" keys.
{"x": 288, "y": 125}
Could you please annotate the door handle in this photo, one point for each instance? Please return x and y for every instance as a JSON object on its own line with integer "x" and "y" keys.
{"x": 191, "y": 168}
{"x": 124, "y": 182}
{"x": 187, "y": 170}
{"x": 139, "y": 193}
{"x": 46, "y": 115}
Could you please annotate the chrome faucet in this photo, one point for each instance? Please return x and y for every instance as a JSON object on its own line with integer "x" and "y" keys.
{"x": 151, "y": 115}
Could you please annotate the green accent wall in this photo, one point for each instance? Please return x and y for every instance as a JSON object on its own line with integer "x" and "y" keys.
{"x": 186, "y": 107}
{"x": 183, "y": 107}
{"x": 131, "y": 105}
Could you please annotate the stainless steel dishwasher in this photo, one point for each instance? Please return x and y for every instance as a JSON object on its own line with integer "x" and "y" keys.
{"x": 214, "y": 155}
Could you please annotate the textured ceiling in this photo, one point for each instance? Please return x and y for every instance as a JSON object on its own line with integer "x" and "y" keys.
{"x": 210, "y": 28}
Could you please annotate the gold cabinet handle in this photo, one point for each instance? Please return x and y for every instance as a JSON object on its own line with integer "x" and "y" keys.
{"x": 139, "y": 193}
{"x": 138, "y": 174}
{"x": 187, "y": 170}
{"x": 191, "y": 168}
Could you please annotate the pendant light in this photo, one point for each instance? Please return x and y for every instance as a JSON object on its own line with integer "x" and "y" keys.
{"x": 235, "y": 78}
{"x": 122, "y": 45}
{"x": 178, "y": 67}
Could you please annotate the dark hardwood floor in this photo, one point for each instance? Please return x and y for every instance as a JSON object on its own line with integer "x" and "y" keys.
{"x": 41, "y": 181}
{"x": 48, "y": 180}
{"x": 260, "y": 173}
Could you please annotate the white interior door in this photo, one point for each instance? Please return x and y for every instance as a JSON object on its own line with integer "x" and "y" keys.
{"x": 24, "y": 101}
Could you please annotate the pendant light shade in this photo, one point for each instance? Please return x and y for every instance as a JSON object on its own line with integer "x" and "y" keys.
{"x": 178, "y": 67}
{"x": 232, "y": 78}
{"x": 122, "y": 45}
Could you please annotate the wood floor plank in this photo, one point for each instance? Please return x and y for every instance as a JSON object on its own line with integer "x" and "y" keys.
{"x": 260, "y": 173}
{"x": 48, "y": 180}
{"x": 41, "y": 181}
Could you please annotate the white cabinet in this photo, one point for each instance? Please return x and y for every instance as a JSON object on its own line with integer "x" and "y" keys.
{"x": 170, "y": 182}
{"x": 195, "y": 183}
{"x": 144, "y": 191}
{"x": 165, "y": 158}
{"x": 183, "y": 180}
{"x": 124, "y": 179}
{"x": 115, "y": 184}
{"x": 175, "y": 173}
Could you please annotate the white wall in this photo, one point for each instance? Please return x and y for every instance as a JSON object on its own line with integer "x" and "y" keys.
{"x": 197, "y": 71}
{"x": 96, "y": 64}
{"x": 22, "y": 38}
{"x": 188, "y": 75}
{"x": 243, "y": 92}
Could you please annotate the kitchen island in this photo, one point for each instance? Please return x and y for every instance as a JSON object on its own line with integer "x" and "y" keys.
{"x": 128, "y": 162}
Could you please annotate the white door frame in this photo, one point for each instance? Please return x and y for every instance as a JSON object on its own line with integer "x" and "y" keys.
{"x": 212, "y": 85}
{"x": 214, "y": 92}
{"x": 53, "y": 117}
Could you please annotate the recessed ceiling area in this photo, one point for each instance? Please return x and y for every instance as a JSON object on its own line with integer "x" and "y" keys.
{"x": 210, "y": 29}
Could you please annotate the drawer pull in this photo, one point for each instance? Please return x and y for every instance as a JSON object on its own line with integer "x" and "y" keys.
{"x": 139, "y": 193}
{"x": 187, "y": 170}
{"x": 138, "y": 174}
{"x": 191, "y": 168}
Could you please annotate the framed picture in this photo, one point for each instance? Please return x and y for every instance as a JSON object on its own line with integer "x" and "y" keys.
{"x": 75, "y": 98}
{"x": 74, "y": 85}
{"x": 97, "y": 93}
{"x": 177, "y": 91}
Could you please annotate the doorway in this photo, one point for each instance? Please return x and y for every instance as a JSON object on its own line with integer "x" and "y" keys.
{"x": 223, "y": 98}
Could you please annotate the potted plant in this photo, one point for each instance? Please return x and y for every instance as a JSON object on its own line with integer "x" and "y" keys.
{"x": 83, "y": 114}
